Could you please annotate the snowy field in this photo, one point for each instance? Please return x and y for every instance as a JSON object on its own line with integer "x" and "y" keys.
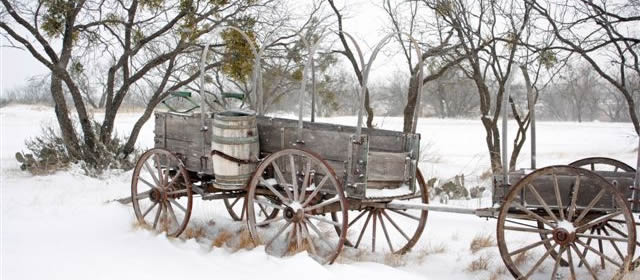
{"x": 62, "y": 226}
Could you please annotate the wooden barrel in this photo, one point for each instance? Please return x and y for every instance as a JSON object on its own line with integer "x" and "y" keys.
{"x": 235, "y": 148}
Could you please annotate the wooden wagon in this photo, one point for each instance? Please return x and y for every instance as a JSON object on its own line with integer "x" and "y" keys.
{"x": 296, "y": 183}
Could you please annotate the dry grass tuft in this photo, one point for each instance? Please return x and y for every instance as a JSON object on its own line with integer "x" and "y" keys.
{"x": 197, "y": 232}
{"x": 221, "y": 239}
{"x": 244, "y": 241}
{"x": 480, "y": 242}
{"x": 394, "y": 260}
{"x": 498, "y": 273}
{"x": 521, "y": 258}
{"x": 293, "y": 248}
{"x": 481, "y": 263}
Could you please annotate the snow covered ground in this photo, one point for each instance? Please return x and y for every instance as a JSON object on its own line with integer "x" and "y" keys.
{"x": 62, "y": 227}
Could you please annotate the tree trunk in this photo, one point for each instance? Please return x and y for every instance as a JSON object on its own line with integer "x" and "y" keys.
{"x": 62, "y": 114}
{"x": 410, "y": 108}
{"x": 135, "y": 132}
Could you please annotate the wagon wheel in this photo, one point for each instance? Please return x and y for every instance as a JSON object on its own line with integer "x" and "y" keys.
{"x": 237, "y": 210}
{"x": 397, "y": 230}
{"x": 602, "y": 164}
{"x": 572, "y": 224}
{"x": 161, "y": 192}
{"x": 593, "y": 164}
{"x": 312, "y": 189}
{"x": 607, "y": 164}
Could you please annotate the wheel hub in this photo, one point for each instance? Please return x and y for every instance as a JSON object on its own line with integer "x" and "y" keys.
{"x": 157, "y": 195}
{"x": 293, "y": 214}
{"x": 563, "y": 236}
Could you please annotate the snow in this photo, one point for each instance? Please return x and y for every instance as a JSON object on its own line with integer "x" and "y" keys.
{"x": 63, "y": 226}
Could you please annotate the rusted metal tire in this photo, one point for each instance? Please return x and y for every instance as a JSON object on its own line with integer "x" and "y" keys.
{"x": 161, "y": 192}
{"x": 569, "y": 222}
{"x": 592, "y": 163}
{"x": 236, "y": 207}
{"x": 392, "y": 238}
{"x": 301, "y": 196}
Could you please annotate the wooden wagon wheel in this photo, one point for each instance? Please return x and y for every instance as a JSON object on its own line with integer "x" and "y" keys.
{"x": 161, "y": 192}
{"x": 302, "y": 186}
{"x": 602, "y": 164}
{"x": 569, "y": 212}
{"x": 396, "y": 230}
{"x": 607, "y": 164}
{"x": 236, "y": 207}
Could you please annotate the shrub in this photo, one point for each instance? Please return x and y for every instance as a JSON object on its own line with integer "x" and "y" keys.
{"x": 480, "y": 242}
{"x": 47, "y": 153}
{"x": 481, "y": 263}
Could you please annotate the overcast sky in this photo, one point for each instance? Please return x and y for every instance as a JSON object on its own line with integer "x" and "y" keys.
{"x": 363, "y": 18}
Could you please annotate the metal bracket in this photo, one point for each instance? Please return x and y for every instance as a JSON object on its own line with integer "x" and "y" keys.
{"x": 357, "y": 166}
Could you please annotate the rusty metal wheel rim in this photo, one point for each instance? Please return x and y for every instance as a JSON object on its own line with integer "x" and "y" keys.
{"x": 307, "y": 231}
{"x": 513, "y": 217}
{"x": 161, "y": 197}
{"x": 389, "y": 234}
{"x": 590, "y": 164}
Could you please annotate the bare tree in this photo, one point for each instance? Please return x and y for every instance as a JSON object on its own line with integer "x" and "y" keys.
{"x": 597, "y": 29}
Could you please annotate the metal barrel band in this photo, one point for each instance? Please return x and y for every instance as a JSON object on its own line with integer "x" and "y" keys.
{"x": 232, "y": 158}
{"x": 234, "y": 140}
{"x": 225, "y": 126}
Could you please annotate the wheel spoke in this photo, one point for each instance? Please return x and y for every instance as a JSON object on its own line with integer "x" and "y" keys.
{"x": 522, "y": 224}
{"x": 582, "y": 258}
{"x": 590, "y": 206}
{"x": 574, "y": 198}
{"x": 307, "y": 236}
{"x": 557, "y": 263}
{"x": 173, "y": 179}
{"x": 147, "y": 183}
{"x": 530, "y": 246}
{"x": 535, "y": 230}
{"x": 544, "y": 204}
{"x": 364, "y": 227}
{"x": 282, "y": 228}
{"x": 298, "y": 229}
{"x": 159, "y": 168}
{"x": 600, "y": 248}
{"x": 585, "y": 249}
{"x": 294, "y": 181}
{"x": 305, "y": 181}
{"x": 173, "y": 215}
{"x": 266, "y": 215}
{"x": 323, "y": 220}
{"x": 601, "y": 254}
{"x": 177, "y": 205}
{"x": 152, "y": 172}
{"x": 393, "y": 223}
{"x": 598, "y": 220}
{"x": 317, "y": 231}
{"x": 571, "y": 268}
{"x": 556, "y": 189}
{"x": 357, "y": 218}
{"x": 322, "y": 204}
{"x": 374, "y": 230}
{"x": 318, "y": 187}
{"x": 289, "y": 238}
{"x": 405, "y": 214}
{"x": 273, "y": 190}
{"x": 235, "y": 201}
{"x": 149, "y": 209}
{"x": 267, "y": 203}
{"x": 155, "y": 220}
{"x": 535, "y": 266}
{"x": 279, "y": 175}
{"x": 599, "y": 237}
{"x": 615, "y": 246}
{"x": 533, "y": 215}
{"x": 386, "y": 234}
{"x": 269, "y": 221}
